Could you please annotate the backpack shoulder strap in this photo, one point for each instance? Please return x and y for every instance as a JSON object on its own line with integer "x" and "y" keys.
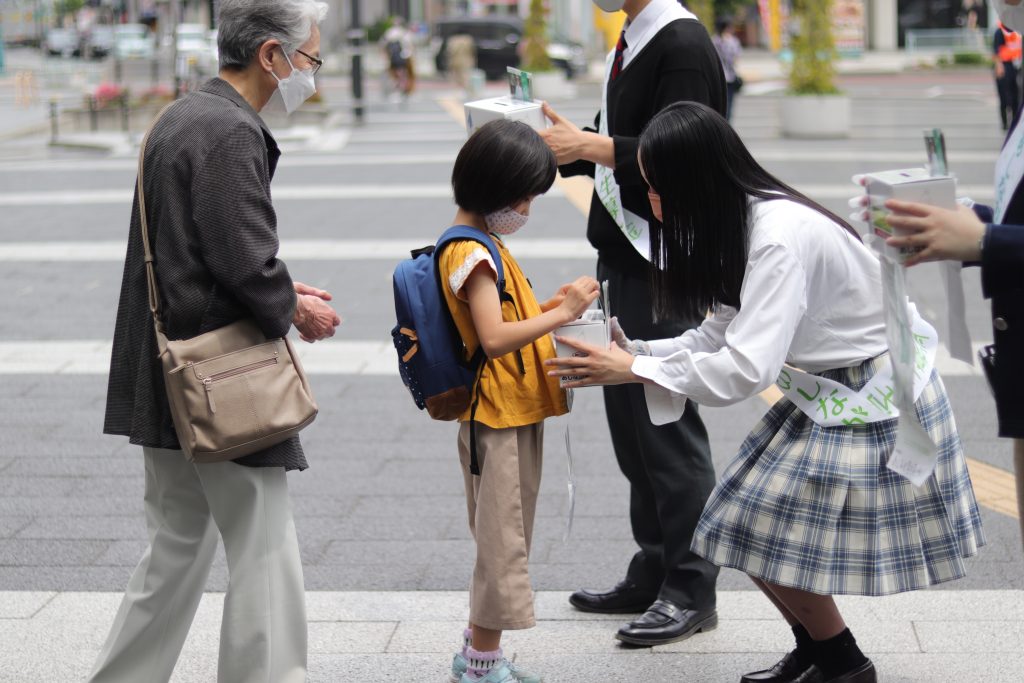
{"x": 465, "y": 232}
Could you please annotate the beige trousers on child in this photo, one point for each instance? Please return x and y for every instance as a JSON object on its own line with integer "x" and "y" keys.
{"x": 502, "y": 504}
{"x": 263, "y": 628}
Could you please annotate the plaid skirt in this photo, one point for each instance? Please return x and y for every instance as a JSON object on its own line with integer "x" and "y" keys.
{"x": 815, "y": 508}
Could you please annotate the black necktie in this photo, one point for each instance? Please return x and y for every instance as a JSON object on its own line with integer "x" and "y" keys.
{"x": 620, "y": 47}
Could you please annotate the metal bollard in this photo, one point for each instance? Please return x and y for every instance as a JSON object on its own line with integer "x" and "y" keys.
{"x": 124, "y": 112}
{"x": 117, "y": 70}
{"x": 93, "y": 114}
{"x": 54, "y": 121}
{"x": 154, "y": 72}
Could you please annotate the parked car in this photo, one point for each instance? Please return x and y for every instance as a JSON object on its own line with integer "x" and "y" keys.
{"x": 98, "y": 42}
{"x": 497, "y": 45}
{"x": 133, "y": 41}
{"x": 63, "y": 42}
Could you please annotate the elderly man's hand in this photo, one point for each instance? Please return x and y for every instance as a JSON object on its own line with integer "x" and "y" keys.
{"x": 314, "y": 318}
{"x": 301, "y": 288}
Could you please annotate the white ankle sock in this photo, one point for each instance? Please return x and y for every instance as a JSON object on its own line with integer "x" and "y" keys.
{"x": 480, "y": 663}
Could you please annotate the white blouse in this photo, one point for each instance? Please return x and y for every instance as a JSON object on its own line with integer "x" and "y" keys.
{"x": 811, "y": 298}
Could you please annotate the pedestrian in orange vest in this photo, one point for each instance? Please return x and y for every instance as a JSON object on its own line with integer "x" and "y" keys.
{"x": 1006, "y": 56}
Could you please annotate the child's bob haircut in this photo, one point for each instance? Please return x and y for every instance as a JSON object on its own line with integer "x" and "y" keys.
{"x": 503, "y": 163}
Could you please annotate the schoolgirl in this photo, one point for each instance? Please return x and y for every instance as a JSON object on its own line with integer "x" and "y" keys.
{"x": 808, "y": 508}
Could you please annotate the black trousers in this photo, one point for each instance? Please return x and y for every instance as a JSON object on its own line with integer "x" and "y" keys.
{"x": 669, "y": 467}
{"x": 1008, "y": 88}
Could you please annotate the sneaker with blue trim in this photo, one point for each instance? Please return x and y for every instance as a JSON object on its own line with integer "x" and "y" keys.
{"x": 519, "y": 675}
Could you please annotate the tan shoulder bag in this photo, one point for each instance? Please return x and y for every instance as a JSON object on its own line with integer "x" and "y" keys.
{"x": 232, "y": 391}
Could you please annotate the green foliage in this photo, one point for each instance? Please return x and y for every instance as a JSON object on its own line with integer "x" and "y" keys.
{"x": 729, "y": 8}
{"x": 814, "y": 50}
{"x": 969, "y": 59}
{"x": 705, "y": 11}
{"x": 376, "y": 30}
{"x": 535, "y": 36}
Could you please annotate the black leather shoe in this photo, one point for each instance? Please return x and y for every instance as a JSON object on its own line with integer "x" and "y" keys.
{"x": 666, "y": 622}
{"x": 625, "y": 598}
{"x": 786, "y": 670}
{"x": 865, "y": 673}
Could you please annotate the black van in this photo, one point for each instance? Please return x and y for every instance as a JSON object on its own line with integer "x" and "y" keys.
{"x": 497, "y": 41}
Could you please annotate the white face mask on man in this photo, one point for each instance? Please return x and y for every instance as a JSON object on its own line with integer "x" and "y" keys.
{"x": 1011, "y": 12}
{"x": 506, "y": 221}
{"x": 296, "y": 88}
{"x": 610, "y": 5}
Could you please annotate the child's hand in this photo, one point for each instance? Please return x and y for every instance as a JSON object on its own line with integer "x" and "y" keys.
{"x": 556, "y": 300}
{"x": 578, "y": 296}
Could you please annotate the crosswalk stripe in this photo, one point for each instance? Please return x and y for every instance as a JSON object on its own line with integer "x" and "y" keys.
{"x": 907, "y": 158}
{"x": 331, "y": 357}
{"x": 300, "y": 250}
{"x": 389, "y": 191}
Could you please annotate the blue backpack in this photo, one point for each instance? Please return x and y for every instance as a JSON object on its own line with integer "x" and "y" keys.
{"x": 431, "y": 353}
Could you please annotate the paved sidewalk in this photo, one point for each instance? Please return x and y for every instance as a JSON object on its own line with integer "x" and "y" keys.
{"x": 410, "y": 636}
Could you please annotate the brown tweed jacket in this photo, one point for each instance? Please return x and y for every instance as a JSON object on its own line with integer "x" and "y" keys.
{"x": 207, "y": 172}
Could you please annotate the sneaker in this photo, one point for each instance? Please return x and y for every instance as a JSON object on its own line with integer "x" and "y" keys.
{"x": 519, "y": 675}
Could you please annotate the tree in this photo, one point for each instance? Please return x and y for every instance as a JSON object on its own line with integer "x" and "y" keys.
{"x": 535, "y": 36}
{"x": 705, "y": 11}
{"x": 814, "y": 49}
{"x": 66, "y": 7}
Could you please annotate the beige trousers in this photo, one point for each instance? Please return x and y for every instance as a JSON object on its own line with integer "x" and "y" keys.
{"x": 502, "y": 504}
{"x": 1018, "y": 468}
{"x": 263, "y": 628}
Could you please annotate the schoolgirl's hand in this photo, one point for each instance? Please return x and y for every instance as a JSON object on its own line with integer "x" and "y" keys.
{"x": 940, "y": 234}
{"x": 578, "y": 296}
{"x": 601, "y": 366}
{"x": 634, "y": 347}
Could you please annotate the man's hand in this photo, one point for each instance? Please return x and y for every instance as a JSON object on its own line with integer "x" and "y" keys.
{"x": 564, "y": 138}
{"x": 314, "y": 318}
{"x": 312, "y": 291}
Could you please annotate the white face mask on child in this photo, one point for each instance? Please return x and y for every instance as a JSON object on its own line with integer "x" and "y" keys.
{"x": 506, "y": 221}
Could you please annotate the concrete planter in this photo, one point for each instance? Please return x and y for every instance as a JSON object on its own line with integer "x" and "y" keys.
{"x": 816, "y": 116}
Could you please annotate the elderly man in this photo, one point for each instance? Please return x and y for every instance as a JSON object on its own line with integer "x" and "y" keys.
{"x": 207, "y": 170}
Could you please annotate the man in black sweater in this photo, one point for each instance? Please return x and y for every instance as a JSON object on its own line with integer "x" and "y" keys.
{"x": 663, "y": 56}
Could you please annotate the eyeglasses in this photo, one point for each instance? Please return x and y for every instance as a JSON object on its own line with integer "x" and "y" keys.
{"x": 317, "y": 63}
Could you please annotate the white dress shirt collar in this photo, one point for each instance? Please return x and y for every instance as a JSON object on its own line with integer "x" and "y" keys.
{"x": 646, "y": 25}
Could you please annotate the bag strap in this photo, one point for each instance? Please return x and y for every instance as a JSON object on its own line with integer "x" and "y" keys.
{"x": 151, "y": 285}
{"x": 476, "y": 363}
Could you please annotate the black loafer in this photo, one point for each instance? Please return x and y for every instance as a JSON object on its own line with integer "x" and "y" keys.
{"x": 786, "y": 670}
{"x": 625, "y": 598}
{"x": 865, "y": 673}
{"x": 666, "y": 622}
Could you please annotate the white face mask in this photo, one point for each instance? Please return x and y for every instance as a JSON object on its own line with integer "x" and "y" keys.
{"x": 610, "y": 5}
{"x": 298, "y": 87}
{"x": 506, "y": 221}
{"x": 1012, "y": 15}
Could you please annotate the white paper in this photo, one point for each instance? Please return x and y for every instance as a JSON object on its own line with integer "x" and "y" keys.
{"x": 958, "y": 336}
{"x": 914, "y": 455}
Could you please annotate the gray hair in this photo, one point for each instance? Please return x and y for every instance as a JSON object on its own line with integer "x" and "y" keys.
{"x": 244, "y": 25}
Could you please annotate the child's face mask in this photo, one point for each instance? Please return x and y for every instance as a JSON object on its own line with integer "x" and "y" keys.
{"x": 506, "y": 221}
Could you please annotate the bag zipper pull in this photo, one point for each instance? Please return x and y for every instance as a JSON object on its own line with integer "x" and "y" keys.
{"x": 208, "y": 383}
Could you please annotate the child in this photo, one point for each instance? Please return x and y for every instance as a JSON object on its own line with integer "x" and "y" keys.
{"x": 807, "y": 510}
{"x": 497, "y": 174}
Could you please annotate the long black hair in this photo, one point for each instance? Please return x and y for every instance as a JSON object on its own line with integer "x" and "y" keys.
{"x": 704, "y": 175}
{"x": 502, "y": 163}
